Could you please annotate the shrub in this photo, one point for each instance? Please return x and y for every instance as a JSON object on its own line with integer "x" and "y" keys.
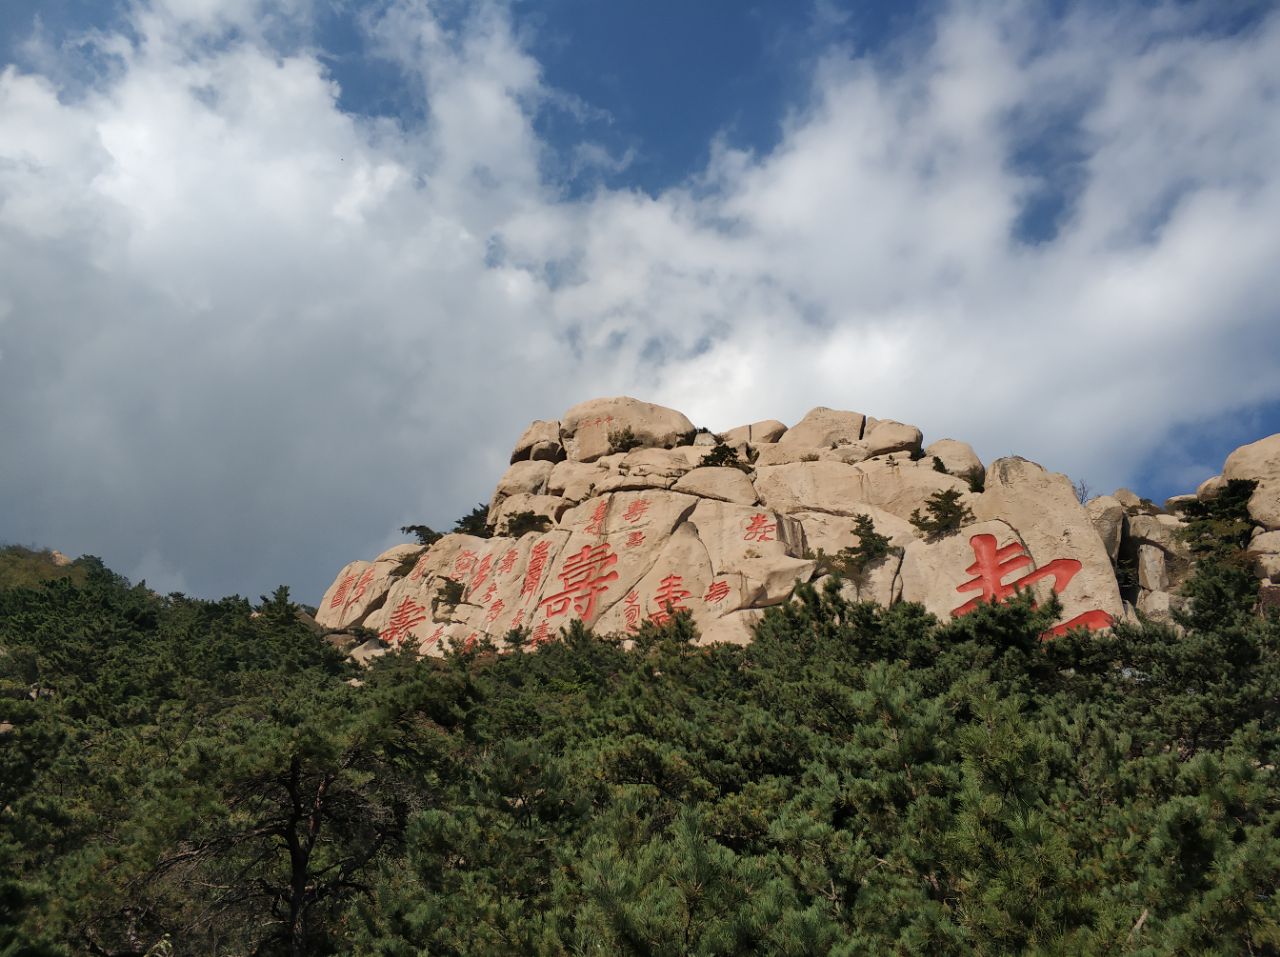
{"x": 947, "y": 515}
{"x": 448, "y": 594}
{"x": 522, "y": 523}
{"x": 975, "y": 477}
{"x": 423, "y": 533}
{"x": 724, "y": 456}
{"x": 623, "y": 440}
{"x": 938, "y": 465}
{"x": 475, "y": 522}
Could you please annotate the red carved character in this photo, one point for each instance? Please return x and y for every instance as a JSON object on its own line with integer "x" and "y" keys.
{"x": 433, "y": 637}
{"x": 537, "y": 562}
{"x": 669, "y": 597}
{"x": 635, "y": 511}
{"x": 494, "y": 611}
{"x": 407, "y": 614}
{"x": 631, "y": 611}
{"x": 340, "y": 596}
{"x": 760, "y": 529}
{"x": 993, "y": 564}
{"x": 419, "y": 569}
{"x": 489, "y": 593}
{"x": 464, "y": 563}
{"x": 595, "y": 525}
{"x": 585, "y": 578}
{"x": 515, "y": 622}
{"x": 540, "y": 634}
{"x": 482, "y": 572}
{"x": 362, "y": 585}
{"x": 718, "y": 592}
{"x": 508, "y": 561}
{"x": 634, "y": 539}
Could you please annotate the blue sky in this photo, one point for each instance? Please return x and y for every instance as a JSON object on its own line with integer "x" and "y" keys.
{"x": 276, "y": 278}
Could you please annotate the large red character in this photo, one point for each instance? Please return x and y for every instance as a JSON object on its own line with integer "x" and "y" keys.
{"x": 537, "y": 562}
{"x": 669, "y": 599}
{"x": 718, "y": 592}
{"x": 362, "y": 585}
{"x": 993, "y": 564}
{"x": 760, "y": 529}
{"x": 631, "y": 611}
{"x": 508, "y": 561}
{"x": 407, "y": 614}
{"x": 585, "y": 578}
{"x": 340, "y": 596}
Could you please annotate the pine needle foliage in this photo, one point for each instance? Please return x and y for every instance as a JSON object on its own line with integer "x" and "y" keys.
{"x": 191, "y": 777}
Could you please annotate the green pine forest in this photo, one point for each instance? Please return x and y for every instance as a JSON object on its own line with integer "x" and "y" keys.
{"x": 181, "y": 776}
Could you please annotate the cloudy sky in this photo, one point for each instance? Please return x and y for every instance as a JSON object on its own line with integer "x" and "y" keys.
{"x": 279, "y": 277}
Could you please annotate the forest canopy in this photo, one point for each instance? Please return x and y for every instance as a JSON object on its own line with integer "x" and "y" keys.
{"x": 193, "y": 777}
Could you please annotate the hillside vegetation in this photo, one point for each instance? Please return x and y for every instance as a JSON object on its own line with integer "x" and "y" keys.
{"x": 194, "y": 777}
{"x": 21, "y": 567}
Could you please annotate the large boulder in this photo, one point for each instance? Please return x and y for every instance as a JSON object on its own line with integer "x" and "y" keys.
{"x": 718, "y": 482}
{"x": 528, "y": 477}
{"x": 767, "y": 431}
{"x": 823, "y": 428}
{"x": 1259, "y": 462}
{"x": 958, "y": 458}
{"x": 586, "y": 428}
{"x": 541, "y": 440}
{"x": 1108, "y": 517}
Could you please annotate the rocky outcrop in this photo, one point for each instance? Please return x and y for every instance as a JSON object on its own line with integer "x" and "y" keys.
{"x": 637, "y": 528}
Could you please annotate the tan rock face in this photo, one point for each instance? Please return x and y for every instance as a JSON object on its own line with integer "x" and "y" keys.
{"x": 769, "y": 430}
{"x": 822, "y": 428}
{"x": 528, "y": 477}
{"x": 635, "y": 535}
{"x": 541, "y": 440}
{"x": 1107, "y": 515}
{"x": 1260, "y": 462}
{"x": 575, "y": 481}
{"x": 1042, "y": 508}
{"x": 725, "y": 484}
{"x": 585, "y": 428}
{"x": 957, "y": 457}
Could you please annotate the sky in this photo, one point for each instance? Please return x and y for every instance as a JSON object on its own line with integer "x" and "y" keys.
{"x": 278, "y": 278}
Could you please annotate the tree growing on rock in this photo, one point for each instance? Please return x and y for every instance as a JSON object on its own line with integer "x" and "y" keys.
{"x": 947, "y": 515}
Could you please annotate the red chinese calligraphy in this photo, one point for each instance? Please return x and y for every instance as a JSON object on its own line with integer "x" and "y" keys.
{"x": 993, "y": 564}
{"x": 340, "y": 596}
{"x": 533, "y": 575}
{"x": 402, "y": 621}
{"x": 362, "y": 585}
{"x": 585, "y": 578}
{"x": 541, "y": 634}
{"x": 433, "y": 637}
{"x": 482, "y": 572}
{"x": 419, "y": 569}
{"x": 635, "y": 511}
{"x": 718, "y": 592}
{"x": 515, "y": 622}
{"x": 595, "y": 526}
{"x": 464, "y": 563}
{"x": 494, "y": 611}
{"x": 669, "y": 599}
{"x": 760, "y": 529}
{"x": 634, "y": 539}
{"x": 489, "y": 593}
{"x": 631, "y": 611}
{"x": 508, "y": 561}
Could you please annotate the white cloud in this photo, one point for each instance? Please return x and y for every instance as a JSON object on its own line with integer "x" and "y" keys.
{"x": 246, "y": 334}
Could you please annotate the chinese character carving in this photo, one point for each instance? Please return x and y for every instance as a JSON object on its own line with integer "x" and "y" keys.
{"x": 407, "y": 614}
{"x": 635, "y": 511}
{"x": 585, "y": 576}
{"x": 993, "y": 564}
{"x": 340, "y": 596}
{"x": 718, "y": 592}
{"x": 533, "y": 575}
{"x": 669, "y": 599}
{"x": 634, "y": 539}
{"x": 760, "y": 529}
{"x": 595, "y": 526}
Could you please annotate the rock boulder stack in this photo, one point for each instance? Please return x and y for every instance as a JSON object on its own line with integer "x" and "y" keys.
{"x": 641, "y": 515}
